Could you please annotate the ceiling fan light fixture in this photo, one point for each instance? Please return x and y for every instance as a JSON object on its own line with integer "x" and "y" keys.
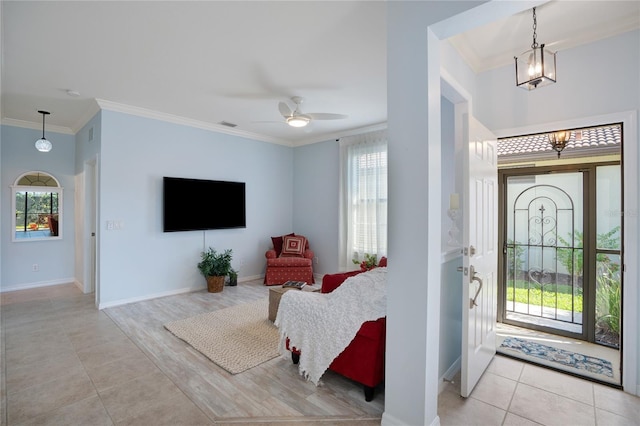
{"x": 42, "y": 144}
{"x": 536, "y": 67}
{"x": 297, "y": 121}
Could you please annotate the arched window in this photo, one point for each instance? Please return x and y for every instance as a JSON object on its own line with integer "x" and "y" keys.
{"x": 37, "y": 207}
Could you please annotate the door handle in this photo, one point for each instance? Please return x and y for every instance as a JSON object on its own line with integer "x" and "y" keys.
{"x": 473, "y": 276}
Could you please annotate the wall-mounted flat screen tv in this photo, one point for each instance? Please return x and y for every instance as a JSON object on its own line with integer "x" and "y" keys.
{"x": 197, "y": 204}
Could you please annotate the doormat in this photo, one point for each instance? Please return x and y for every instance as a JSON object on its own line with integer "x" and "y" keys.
{"x": 584, "y": 363}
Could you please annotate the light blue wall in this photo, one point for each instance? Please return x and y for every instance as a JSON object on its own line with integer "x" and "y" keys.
{"x": 315, "y": 213}
{"x": 415, "y": 209}
{"x": 593, "y": 79}
{"x": 88, "y": 146}
{"x": 55, "y": 258}
{"x": 448, "y": 166}
{"x": 450, "y": 317}
{"x": 451, "y": 280}
{"x": 142, "y": 261}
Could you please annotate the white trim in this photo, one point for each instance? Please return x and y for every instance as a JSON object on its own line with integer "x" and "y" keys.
{"x": 449, "y": 374}
{"x": 121, "y": 302}
{"x": 576, "y": 123}
{"x": 35, "y": 126}
{"x": 343, "y": 134}
{"x": 86, "y": 117}
{"x": 38, "y": 284}
{"x": 170, "y": 118}
{"x": 251, "y": 278}
{"x": 183, "y": 290}
{"x": 449, "y": 255}
{"x": 389, "y": 420}
{"x": 631, "y": 164}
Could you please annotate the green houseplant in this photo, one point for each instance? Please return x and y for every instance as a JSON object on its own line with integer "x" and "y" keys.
{"x": 215, "y": 267}
{"x": 233, "y": 277}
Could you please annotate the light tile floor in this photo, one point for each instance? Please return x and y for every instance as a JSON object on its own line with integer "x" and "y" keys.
{"x": 65, "y": 363}
{"x": 512, "y": 392}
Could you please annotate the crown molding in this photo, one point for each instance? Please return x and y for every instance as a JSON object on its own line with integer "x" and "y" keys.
{"x": 344, "y": 133}
{"x": 88, "y": 115}
{"x": 37, "y": 126}
{"x": 170, "y": 118}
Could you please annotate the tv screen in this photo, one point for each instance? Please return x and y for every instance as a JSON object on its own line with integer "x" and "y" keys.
{"x": 196, "y": 204}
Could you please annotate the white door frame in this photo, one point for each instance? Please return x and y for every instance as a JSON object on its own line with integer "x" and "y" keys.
{"x": 630, "y": 164}
{"x": 463, "y": 102}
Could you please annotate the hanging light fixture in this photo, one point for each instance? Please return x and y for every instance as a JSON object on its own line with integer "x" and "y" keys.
{"x": 297, "y": 121}
{"x": 536, "y": 67}
{"x": 42, "y": 144}
{"x": 559, "y": 139}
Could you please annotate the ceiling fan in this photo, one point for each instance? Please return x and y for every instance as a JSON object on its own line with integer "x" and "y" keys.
{"x": 296, "y": 118}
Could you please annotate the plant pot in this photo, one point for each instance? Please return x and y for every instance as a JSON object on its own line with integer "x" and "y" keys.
{"x": 233, "y": 281}
{"x": 215, "y": 284}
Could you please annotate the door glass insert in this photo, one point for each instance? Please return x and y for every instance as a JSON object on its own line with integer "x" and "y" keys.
{"x": 608, "y": 257}
{"x": 544, "y": 251}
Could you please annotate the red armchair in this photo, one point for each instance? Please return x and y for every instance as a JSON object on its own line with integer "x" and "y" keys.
{"x": 363, "y": 360}
{"x": 290, "y": 259}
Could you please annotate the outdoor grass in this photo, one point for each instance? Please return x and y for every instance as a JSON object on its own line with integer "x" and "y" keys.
{"x": 532, "y": 296}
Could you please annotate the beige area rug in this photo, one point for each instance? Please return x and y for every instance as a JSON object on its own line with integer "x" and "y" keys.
{"x": 236, "y": 338}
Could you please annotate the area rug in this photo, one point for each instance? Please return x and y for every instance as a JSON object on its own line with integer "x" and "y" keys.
{"x": 557, "y": 357}
{"x": 236, "y": 338}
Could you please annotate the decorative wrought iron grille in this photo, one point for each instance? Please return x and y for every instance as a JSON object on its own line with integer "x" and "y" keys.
{"x": 544, "y": 256}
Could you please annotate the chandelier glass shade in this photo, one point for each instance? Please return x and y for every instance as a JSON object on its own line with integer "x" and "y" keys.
{"x": 536, "y": 67}
{"x": 42, "y": 144}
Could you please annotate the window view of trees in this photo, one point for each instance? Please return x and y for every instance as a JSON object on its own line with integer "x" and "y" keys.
{"x": 35, "y": 211}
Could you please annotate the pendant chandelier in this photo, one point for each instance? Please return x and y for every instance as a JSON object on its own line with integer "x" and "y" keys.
{"x": 536, "y": 67}
{"x": 559, "y": 139}
{"x": 42, "y": 144}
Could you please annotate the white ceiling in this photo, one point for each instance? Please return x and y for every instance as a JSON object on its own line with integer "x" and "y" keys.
{"x": 205, "y": 62}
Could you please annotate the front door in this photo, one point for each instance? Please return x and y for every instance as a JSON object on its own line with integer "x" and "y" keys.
{"x": 562, "y": 251}
{"x": 480, "y": 251}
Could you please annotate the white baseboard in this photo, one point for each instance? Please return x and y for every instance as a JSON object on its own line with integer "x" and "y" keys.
{"x": 250, "y": 278}
{"x": 48, "y": 283}
{"x": 449, "y": 255}
{"x": 449, "y": 374}
{"x": 389, "y": 420}
{"x": 121, "y": 302}
{"x": 183, "y": 290}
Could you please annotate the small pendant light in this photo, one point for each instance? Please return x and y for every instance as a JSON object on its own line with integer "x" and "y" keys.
{"x": 536, "y": 67}
{"x": 42, "y": 144}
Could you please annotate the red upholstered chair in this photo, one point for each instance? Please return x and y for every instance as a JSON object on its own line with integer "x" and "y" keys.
{"x": 363, "y": 360}
{"x": 290, "y": 259}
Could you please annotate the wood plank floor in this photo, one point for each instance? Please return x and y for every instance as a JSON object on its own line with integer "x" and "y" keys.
{"x": 64, "y": 362}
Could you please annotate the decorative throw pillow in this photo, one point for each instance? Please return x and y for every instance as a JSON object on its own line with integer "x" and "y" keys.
{"x": 277, "y": 243}
{"x": 293, "y": 246}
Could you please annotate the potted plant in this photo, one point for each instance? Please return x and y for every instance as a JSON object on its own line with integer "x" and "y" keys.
{"x": 370, "y": 261}
{"x": 233, "y": 277}
{"x": 215, "y": 267}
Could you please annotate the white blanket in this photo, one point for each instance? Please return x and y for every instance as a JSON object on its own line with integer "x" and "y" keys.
{"x": 321, "y": 326}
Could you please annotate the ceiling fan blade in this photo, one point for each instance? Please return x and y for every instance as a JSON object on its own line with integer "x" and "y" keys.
{"x": 325, "y": 116}
{"x": 284, "y": 109}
